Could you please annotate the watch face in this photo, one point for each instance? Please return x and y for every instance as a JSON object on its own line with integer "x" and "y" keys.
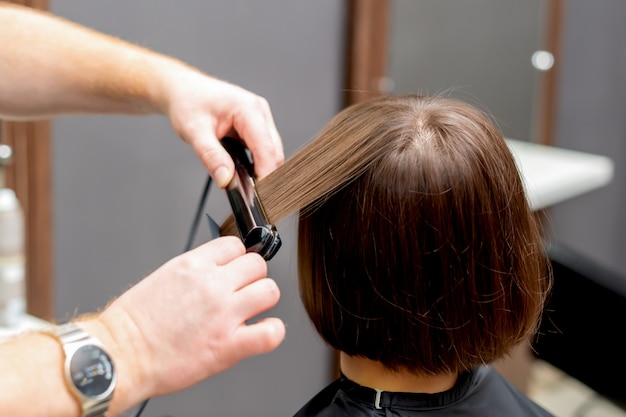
{"x": 91, "y": 370}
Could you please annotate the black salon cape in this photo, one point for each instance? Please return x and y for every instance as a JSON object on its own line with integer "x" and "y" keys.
{"x": 480, "y": 393}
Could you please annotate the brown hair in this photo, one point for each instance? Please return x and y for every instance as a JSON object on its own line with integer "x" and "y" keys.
{"x": 416, "y": 247}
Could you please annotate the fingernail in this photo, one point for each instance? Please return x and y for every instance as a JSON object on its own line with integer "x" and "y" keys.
{"x": 221, "y": 177}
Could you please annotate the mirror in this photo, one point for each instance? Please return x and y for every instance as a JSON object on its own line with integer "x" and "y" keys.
{"x": 479, "y": 51}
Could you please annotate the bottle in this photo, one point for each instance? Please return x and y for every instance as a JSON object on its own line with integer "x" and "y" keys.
{"x": 12, "y": 260}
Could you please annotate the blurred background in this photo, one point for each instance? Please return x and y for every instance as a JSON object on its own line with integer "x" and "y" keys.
{"x": 123, "y": 190}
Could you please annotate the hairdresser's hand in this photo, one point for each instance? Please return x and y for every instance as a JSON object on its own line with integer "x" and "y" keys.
{"x": 80, "y": 70}
{"x": 187, "y": 321}
{"x": 203, "y": 110}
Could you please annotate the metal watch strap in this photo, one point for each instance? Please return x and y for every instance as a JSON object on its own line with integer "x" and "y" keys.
{"x": 70, "y": 334}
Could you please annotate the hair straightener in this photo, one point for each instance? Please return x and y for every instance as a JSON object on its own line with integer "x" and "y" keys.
{"x": 257, "y": 233}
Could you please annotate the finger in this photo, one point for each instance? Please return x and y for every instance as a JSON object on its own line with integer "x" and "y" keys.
{"x": 260, "y": 337}
{"x": 257, "y": 297}
{"x": 221, "y": 250}
{"x": 214, "y": 157}
{"x": 245, "y": 269}
{"x": 262, "y": 139}
{"x": 275, "y": 138}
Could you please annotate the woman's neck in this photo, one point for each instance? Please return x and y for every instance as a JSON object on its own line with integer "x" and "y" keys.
{"x": 372, "y": 374}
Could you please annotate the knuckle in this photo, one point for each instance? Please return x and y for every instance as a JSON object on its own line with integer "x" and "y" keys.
{"x": 263, "y": 103}
{"x": 187, "y": 129}
{"x": 259, "y": 263}
{"x": 210, "y": 155}
{"x": 190, "y": 264}
{"x": 270, "y": 288}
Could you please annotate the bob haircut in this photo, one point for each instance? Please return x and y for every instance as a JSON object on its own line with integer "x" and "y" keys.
{"x": 416, "y": 247}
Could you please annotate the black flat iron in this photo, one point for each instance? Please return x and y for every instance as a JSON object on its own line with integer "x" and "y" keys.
{"x": 257, "y": 233}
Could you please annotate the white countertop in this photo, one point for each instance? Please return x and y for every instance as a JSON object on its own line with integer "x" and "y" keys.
{"x": 552, "y": 175}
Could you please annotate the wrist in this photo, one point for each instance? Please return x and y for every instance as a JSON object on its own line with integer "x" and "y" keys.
{"x": 166, "y": 76}
{"x": 120, "y": 341}
{"x": 89, "y": 372}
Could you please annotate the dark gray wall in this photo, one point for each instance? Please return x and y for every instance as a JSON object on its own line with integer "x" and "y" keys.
{"x": 126, "y": 188}
{"x": 592, "y": 118}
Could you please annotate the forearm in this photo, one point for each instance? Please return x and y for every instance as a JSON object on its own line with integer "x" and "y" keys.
{"x": 62, "y": 67}
{"x": 32, "y": 381}
{"x": 50, "y": 66}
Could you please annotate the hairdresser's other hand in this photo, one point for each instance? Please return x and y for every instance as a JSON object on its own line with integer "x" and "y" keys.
{"x": 84, "y": 71}
{"x": 203, "y": 110}
{"x": 187, "y": 321}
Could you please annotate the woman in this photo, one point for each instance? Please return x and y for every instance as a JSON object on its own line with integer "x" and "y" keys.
{"x": 420, "y": 260}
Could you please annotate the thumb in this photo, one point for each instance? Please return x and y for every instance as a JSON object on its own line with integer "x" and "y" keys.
{"x": 215, "y": 158}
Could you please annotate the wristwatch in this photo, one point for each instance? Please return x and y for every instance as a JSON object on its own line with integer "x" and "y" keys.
{"x": 89, "y": 370}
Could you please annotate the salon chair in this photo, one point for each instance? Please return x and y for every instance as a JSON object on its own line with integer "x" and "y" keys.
{"x": 583, "y": 327}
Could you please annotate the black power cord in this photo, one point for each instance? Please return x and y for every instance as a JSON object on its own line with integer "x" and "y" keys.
{"x": 198, "y": 216}
{"x": 190, "y": 239}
